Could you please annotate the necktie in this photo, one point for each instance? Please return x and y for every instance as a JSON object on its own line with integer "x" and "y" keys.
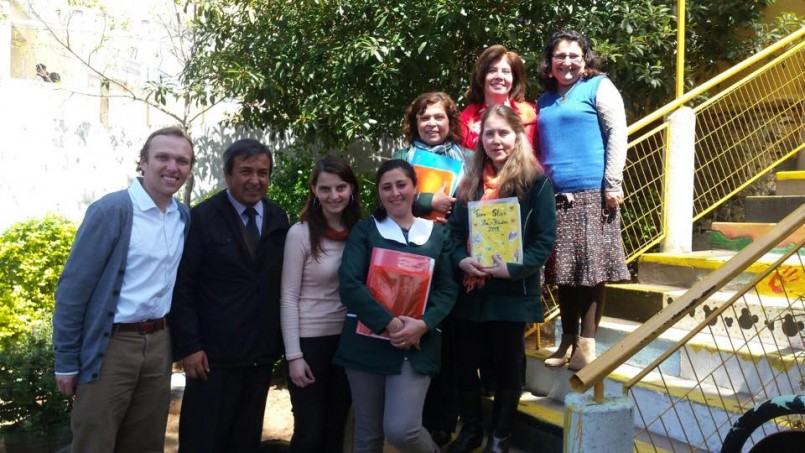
{"x": 251, "y": 225}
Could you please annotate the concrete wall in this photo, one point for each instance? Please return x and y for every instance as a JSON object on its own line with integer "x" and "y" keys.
{"x": 56, "y": 156}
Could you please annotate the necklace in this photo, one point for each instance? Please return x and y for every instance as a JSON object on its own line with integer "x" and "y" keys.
{"x": 563, "y": 99}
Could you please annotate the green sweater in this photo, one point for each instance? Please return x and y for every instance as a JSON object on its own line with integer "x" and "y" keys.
{"x": 516, "y": 299}
{"x": 378, "y": 356}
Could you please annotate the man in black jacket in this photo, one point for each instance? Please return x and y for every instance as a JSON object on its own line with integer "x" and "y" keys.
{"x": 225, "y": 316}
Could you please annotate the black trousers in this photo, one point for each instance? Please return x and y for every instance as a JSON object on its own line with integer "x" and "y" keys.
{"x": 441, "y": 407}
{"x": 225, "y": 412}
{"x": 320, "y": 409}
{"x": 505, "y": 341}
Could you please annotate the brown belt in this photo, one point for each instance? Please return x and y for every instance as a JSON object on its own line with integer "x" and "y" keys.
{"x": 143, "y": 327}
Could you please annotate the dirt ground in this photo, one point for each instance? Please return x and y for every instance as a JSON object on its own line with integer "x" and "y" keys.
{"x": 277, "y": 424}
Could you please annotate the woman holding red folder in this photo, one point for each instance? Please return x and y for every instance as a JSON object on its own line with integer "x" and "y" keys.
{"x": 500, "y": 299}
{"x": 311, "y": 313}
{"x": 432, "y": 125}
{"x": 389, "y": 376}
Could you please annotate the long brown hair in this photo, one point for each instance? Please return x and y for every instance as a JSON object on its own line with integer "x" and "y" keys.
{"x": 518, "y": 173}
{"x": 476, "y": 94}
{"x": 312, "y": 213}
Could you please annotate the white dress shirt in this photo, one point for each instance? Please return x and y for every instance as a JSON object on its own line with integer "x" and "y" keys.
{"x": 157, "y": 242}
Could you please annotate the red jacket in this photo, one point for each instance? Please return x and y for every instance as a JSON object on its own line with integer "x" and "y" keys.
{"x": 471, "y": 123}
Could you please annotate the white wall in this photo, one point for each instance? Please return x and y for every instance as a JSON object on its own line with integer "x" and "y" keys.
{"x": 56, "y": 156}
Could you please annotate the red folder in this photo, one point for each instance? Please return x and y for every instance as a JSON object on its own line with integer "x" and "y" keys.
{"x": 400, "y": 281}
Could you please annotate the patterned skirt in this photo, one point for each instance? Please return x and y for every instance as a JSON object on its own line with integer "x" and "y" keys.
{"x": 588, "y": 248}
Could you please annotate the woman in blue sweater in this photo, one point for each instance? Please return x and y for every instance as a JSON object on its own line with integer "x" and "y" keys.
{"x": 582, "y": 131}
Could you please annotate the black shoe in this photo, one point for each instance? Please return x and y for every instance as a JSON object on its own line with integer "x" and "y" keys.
{"x": 441, "y": 437}
{"x": 467, "y": 441}
{"x": 472, "y": 433}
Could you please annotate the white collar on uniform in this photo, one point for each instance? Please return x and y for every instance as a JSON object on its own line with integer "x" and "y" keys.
{"x": 418, "y": 234}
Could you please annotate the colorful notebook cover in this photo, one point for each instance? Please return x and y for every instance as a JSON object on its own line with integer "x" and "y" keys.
{"x": 436, "y": 169}
{"x": 495, "y": 229}
{"x": 399, "y": 281}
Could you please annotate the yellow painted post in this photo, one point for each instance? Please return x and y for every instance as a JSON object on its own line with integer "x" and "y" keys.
{"x": 598, "y": 392}
{"x": 680, "y": 48}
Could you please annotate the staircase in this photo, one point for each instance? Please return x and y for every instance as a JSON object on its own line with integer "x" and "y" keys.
{"x": 665, "y": 277}
{"x": 693, "y": 359}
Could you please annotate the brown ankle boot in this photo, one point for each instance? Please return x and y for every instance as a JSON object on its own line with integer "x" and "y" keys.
{"x": 563, "y": 352}
{"x": 584, "y": 354}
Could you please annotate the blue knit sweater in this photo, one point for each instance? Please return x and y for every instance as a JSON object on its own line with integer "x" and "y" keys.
{"x": 572, "y": 144}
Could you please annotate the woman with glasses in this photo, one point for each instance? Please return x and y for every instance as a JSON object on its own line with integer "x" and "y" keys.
{"x": 582, "y": 137}
{"x": 498, "y": 77}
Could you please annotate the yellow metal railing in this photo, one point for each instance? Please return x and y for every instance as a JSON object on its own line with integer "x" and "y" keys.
{"x": 748, "y": 349}
{"x": 742, "y": 133}
{"x": 751, "y": 346}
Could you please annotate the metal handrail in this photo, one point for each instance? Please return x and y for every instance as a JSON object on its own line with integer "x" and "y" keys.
{"x": 687, "y": 97}
{"x": 594, "y": 373}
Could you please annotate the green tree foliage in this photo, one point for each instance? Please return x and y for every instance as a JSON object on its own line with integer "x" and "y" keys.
{"x": 332, "y": 72}
{"x": 32, "y": 255}
{"x": 289, "y": 182}
{"x": 29, "y": 397}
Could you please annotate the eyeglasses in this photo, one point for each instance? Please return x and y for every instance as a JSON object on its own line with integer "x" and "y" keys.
{"x": 563, "y": 56}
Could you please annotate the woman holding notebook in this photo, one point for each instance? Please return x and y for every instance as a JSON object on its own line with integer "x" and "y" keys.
{"x": 397, "y": 283}
{"x": 504, "y": 191}
{"x": 433, "y": 131}
{"x": 431, "y": 126}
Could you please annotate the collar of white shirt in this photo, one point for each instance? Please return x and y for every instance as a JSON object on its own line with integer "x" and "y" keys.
{"x": 418, "y": 234}
{"x": 240, "y": 207}
{"x": 142, "y": 201}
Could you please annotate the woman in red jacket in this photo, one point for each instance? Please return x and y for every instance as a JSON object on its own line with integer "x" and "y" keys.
{"x": 498, "y": 77}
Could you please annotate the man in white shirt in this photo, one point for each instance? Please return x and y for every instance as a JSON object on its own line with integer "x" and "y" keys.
{"x": 110, "y": 336}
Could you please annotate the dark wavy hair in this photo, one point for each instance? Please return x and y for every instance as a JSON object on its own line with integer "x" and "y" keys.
{"x": 592, "y": 62}
{"x": 312, "y": 213}
{"x": 420, "y": 104}
{"x": 475, "y": 94}
{"x": 389, "y": 165}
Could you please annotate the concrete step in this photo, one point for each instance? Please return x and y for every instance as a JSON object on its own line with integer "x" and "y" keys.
{"x": 737, "y": 235}
{"x": 756, "y": 363}
{"x": 709, "y": 401}
{"x": 638, "y": 302}
{"x": 790, "y": 182}
{"x": 553, "y": 384}
{"x": 771, "y": 208}
{"x": 684, "y": 270}
{"x": 541, "y": 414}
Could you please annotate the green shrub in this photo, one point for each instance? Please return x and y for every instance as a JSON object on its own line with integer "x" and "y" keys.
{"x": 29, "y": 397}
{"x": 32, "y": 255}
